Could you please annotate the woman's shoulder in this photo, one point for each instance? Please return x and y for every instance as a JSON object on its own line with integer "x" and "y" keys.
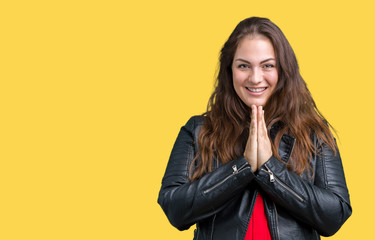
{"x": 194, "y": 125}
{"x": 195, "y": 121}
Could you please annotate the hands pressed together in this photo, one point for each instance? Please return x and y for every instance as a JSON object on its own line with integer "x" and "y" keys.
{"x": 258, "y": 147}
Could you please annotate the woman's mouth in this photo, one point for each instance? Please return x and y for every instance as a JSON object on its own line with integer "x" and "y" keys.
{"x": 256, "y": 90}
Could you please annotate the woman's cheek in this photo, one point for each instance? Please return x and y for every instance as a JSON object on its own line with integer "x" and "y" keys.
{"x": 240, "y": 76}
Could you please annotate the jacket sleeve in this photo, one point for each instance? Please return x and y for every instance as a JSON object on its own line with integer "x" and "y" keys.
{"x": 185, "y": 202}
{"x": 323, "y": 204}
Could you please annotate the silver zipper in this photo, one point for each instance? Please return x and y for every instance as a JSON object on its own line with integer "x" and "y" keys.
{"x": 235, "y": 171}
{"x": 273, "y": 179}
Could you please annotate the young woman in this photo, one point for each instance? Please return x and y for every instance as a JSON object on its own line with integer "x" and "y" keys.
{"x": 261, "y": 163}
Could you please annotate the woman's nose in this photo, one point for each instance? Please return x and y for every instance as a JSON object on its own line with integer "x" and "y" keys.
{"x": 256, "y": 76}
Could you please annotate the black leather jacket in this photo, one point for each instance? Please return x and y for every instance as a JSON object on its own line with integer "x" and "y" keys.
{"x": 221, "y": 202}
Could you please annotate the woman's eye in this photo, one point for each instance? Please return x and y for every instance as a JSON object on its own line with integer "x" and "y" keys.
{"x": 268, "y": 66}
{"x": 242, "y": 66}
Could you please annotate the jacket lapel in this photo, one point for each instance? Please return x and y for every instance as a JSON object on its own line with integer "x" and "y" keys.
{"x": 286, "y": 143}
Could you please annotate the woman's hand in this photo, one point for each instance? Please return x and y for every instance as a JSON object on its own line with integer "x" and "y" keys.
{"x": 258, "y": 147}
{"x": 264, "y": 143}
{"x": 251, "y": 149}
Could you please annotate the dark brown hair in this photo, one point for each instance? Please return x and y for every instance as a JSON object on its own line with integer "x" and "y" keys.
{"x": 225, "y": 129}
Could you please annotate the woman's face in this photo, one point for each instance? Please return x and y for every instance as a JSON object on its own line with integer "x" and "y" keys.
{"x": 254, "y": 70}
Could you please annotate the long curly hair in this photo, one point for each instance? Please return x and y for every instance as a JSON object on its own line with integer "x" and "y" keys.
{"x": 226, "y": 126}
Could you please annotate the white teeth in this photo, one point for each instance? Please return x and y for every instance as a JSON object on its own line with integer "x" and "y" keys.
{"x": 255, "y": 89}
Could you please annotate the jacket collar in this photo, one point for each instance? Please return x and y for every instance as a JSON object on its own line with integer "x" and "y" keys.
{"x": 286, "y": 143}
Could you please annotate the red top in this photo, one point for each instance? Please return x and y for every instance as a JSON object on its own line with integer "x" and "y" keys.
{"x": 258, "y": 226}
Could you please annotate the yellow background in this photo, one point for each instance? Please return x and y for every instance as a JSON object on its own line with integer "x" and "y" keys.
{"x": 93, "y": 94}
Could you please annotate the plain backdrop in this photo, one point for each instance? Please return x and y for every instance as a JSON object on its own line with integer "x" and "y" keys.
{"x": 93, "y": 94}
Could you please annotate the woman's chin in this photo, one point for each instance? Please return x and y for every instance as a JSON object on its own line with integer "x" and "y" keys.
{"x": 249, "y": 104}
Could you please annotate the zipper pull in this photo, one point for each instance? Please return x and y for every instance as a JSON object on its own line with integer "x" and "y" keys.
{"x": 235, "y": 170}
{"x": 272, "y": 177}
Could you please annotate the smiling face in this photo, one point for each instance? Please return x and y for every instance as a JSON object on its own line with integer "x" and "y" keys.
{"x": 254, "y": 70}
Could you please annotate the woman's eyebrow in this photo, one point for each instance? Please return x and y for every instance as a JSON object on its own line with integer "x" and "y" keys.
{"x": 243, "y": 60}
{"x": 266, "y": 60}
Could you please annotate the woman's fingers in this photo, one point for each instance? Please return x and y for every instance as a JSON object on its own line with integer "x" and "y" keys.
{"x": 254, "y": 130}
{"x": 253, "y": 125}
{"x": 264, "y": 125}
{"x": 262, "y": 129}
{"x": 264, "y": 145}
{"x": 260, "y": 121}
{"x": 253, "y": 139}
{"x": 258, "y": 147}
{"x": 252, "y": 142}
